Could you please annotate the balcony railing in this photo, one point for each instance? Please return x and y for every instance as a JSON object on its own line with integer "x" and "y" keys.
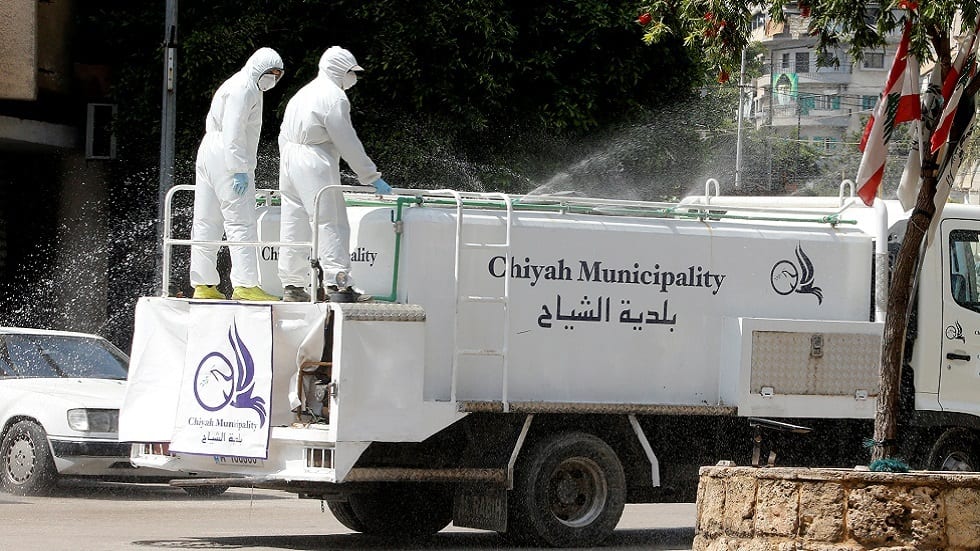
{"x": 791, "y": 66}
{"x": 790, "y": 116}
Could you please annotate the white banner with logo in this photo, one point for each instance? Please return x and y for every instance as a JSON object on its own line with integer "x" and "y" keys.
{"x": 224, "y": 403}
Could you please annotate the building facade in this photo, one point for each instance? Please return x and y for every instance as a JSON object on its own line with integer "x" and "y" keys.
{"x": 826, "y": 107}
{"x": 55, "y": 149}
{"x": 799, "y": 99}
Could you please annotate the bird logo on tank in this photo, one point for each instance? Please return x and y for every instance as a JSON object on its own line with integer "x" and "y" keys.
{"x": 795, "y": 277}
{"x": 955, "y": 332}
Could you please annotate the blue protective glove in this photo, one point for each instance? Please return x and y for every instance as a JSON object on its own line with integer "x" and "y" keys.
{"x": 239, "y": 183}
{"x": 382, "y": 187}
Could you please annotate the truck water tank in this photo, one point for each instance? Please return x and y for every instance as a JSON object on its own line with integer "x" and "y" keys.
{"x": 267, "y": 216}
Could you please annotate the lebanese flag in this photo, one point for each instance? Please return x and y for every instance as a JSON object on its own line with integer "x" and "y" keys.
{"x": 959, "y": 73}
{"x": 932, "y": 108}
{"x": 936, "y": 96}
{"x": 951, "y": 164}
{"x": 898, "y": 103}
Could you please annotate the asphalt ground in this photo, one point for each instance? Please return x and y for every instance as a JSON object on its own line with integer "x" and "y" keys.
{"x": 97, "y": 516}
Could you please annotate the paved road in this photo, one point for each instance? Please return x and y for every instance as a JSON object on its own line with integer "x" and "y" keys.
{"x": 91, "y": 516}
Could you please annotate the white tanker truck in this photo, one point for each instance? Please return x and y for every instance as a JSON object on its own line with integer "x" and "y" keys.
{"x": 531, "y": 364}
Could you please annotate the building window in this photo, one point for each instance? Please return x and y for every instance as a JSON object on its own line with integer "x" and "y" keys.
{"x": 827, "y": 102}
{"x": 868, "y": 102}
{"x": 806, "y": 103}
{"x": 827, "y": 143}
{"x": 758, "y": 21}
{"x": 785, "y": 65}
{"x": 873, "y": 60}
{"x": 802, "y": 62}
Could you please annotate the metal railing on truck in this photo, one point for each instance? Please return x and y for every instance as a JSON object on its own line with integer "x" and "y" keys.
{"x": 266, "y": 195}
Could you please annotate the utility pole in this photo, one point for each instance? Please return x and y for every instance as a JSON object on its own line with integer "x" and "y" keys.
{"x": 168, "y": 117}
{"x": 771, "y": 133}
{"x": 799, "y": 137}
{"x": 738, "y": 132}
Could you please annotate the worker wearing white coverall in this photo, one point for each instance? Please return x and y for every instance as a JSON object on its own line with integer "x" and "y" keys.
{"x": 224, "y": 194}
{"x": 316, "y": 132}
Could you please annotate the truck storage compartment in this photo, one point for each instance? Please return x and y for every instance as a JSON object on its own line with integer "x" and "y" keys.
{"x": 805, "y": 368}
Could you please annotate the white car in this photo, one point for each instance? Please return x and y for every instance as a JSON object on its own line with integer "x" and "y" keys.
{"x": 60, "y": 395}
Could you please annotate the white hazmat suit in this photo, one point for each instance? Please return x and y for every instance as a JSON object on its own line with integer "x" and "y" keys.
{"x": 316, "y": 132}
{"x": 230, "y": 147}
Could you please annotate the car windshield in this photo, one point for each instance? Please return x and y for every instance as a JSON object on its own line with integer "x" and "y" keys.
{"x": 61, "y": 356}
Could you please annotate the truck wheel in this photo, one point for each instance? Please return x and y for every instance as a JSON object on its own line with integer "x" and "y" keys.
{"x": 955, "y": 450}
{"x": 344, "y": 514}
{"x": 569, "y": 491}
{"x": 411, "y": 510}
{"x": 28, "y": 468}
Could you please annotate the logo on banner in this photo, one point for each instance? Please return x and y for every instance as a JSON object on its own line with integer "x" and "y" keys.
{"x": 788, "y": 277}
{"x": 220, "y": 383}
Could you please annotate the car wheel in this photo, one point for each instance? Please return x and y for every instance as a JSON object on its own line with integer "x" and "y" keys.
{"x": 205, "y": 491}
{"x": 344, "y": 514}
{"x": 27, "y": 465}
{"x": 403, "y": 510}
{"x": 569, "y": 491}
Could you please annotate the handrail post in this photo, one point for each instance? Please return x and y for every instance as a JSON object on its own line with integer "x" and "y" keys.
{"x": 167, "y": 228}
{"x": 459, "y": 245}
{"x": 840, "y": 193}
{"x": 881, "y": 260}
{"x": 707, "y": 189}
{"x": 505, "y": 353}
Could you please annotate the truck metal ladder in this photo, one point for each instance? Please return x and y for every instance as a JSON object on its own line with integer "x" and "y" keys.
{"x": 503, "y": 300}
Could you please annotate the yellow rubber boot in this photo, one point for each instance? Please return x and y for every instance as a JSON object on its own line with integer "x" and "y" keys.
{"x": 251, "y": 293}
{"x": 208, "y": 292}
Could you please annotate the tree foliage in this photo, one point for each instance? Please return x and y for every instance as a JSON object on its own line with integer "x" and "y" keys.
{"x": 720, "y": 29}
{"x": 473, "y": 80}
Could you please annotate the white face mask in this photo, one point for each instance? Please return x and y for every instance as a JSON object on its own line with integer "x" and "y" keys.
{"x": 350, "y": 79}
{"x": 266, "y": 82}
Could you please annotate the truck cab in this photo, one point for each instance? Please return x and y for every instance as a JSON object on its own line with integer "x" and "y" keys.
{"x": 944, "y": 339}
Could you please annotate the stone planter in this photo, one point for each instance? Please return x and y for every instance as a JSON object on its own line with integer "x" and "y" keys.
{"x": 788, "y": 509}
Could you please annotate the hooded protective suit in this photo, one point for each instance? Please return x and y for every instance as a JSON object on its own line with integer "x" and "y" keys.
{"x": 230, "y": 147}
{"x": 316, "y": 132}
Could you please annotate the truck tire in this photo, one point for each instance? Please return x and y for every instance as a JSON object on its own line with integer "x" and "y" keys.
{"x": 403, "y": 510}
{"x": 569, "y": 491}
{"x": 25, "y": 458}
{"x": 955, "y": 450}
{"x": 344, "y": 513}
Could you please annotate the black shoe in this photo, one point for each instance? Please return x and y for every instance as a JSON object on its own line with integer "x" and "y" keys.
{"x": 291, "y": 293}
{"x": 347, "y": 294}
